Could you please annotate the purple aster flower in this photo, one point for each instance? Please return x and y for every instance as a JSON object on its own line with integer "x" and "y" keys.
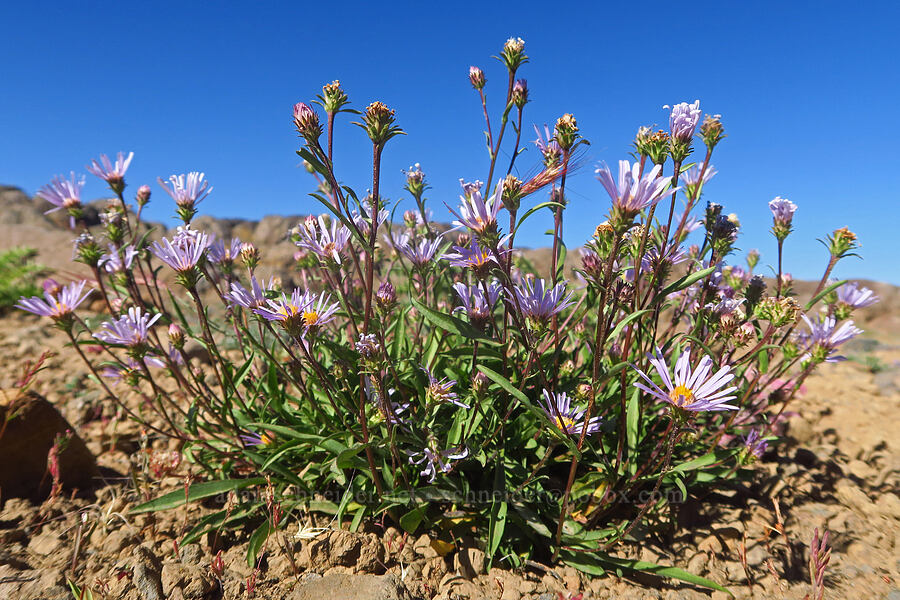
{"x": 652, "y": 262}
{"x": 824, "y": 337}
{"x": 252, "y": 438}
{"x": 782, "y": 211}
{"x": 691, "y": 390}
{"x": 304, "y": 313}
{"x": 185, "y": 251}
{"x": 631, "y": 194}
{"x": 437, "y": 460}
{"x": 111, "y": 173}
{"x": 363, "y": 217}
{"x": 421, "y": 254}
{"x": 547, "y": 145}
{"x": 854, "y": 296}
{"x": 441, "y": 391}
{"x": 115, "y": 261}
{"x": 537, "y": 302}
{"x": 255, "y": 297}
{"x": 567, "y": 418}
{"x": 475, "y": 257}
{"x": 367, "y": 345}
{"x": 390, "y": 410}
{"x": 754, "y": 445}
{"x": 59, "y": 306}
{"x": 130, "y": 329}
{"x": 219, "y": 253}
{"x": 683, "y": 121}
{"x": 475, "y": 212}
{"x": 475, "y": 303}
{"x": 693, "y": 183}
{"x": 64, "y": 193}
{"x": 325, "y": 242}
{"x": 187, "y": 190}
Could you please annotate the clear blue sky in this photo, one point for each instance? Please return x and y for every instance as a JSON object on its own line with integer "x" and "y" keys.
{"x": 809, "y": 94}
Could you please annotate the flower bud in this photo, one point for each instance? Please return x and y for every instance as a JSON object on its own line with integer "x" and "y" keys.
{"x": 782, "y": 216}
{"x": 87, "y": 250}
{"x": 249, "y": 255}
{"x": 307, "y": 123}
{"x": 415, "y": 181}
{"x": 176, "y": 336}
{"x": 752, "y": 259}
{"x": 754, "y": 291}
{"x": 143, "y": 195}
{"x": 642, "y": 140}
{"x": 512, "y": 193}
{"x": 657, "y": 147}
{"x": 520, "y": 93}
{"x": 378, "y": 121}
{"x": 480, "y": 384}
{"x": 386, "y": 297}
{"x": 476, "y": 78}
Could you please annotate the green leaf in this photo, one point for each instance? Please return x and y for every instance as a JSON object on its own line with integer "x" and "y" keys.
{"x": 534, "y": 210}
{"x": 257, "y": 539}
{"x": 659, "y": 570}
{"x": 196, "y": 492}
{"x": 452, "y": 324}
{"x": 499, "y": 509}
{"x": 621, "y": 324}
{"x": 411, "y": 520}
{"x": 632, "y": 426}
{"x": 823, "y": 293}
{"x": 686, "y": 281}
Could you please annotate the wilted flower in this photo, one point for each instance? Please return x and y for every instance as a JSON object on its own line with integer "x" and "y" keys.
{"x": 378, "y": 121}
{"x": 86, "y": 250}
{"x": 437, "y": 460}
{"x": 65, "y": 194}
{"x": 565, "y": 132}
{"x": 568, "y": 419}
{"x": 333, "y": 97}
{"x": 842, "y": 242}
{"x": 249, "y": 255}
{"x": 415, "y": 180}
{"x": 824, "y": 336}
{"x": 689, "y": 389}
{"x": 778, "y": 311}
{"x": 112, "y": 173}
{"x": 59, "y": 304}
{"x": 538, "y": 303}
{"x": 513, "y": 54}
{"x": 325, "y": 242}
{"x": 475, "y": 303}
{"x": 631, "y": 193}
{"x": 130, "y": 329}
{"x": 712, "y": 131}
{"x": 367, "y": 345}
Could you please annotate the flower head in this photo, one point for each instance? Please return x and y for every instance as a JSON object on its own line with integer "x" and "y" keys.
{"x": 694, "y": 183}
{"x": 754, "y": 445}
{"x": 65, "y": 194}
{"x": 187, "y": 190}
{"x": 683, "y": 121}
{"x": 118, "y": 260}
{"x": 301, "y": 314}
{"x": 538, "y": 302}
{"x": 476, "y": 303}
{"x": 59, "y": 306}
{"x": 220, "y": 253}
{"x": 183, "y": 253}
{"x": 253, "y": 298}
{"x": 478, "y": 214}
{"x": 441, "y": 391}
{"x": 475, "y": 257}
{"x": 129, "y": 330}
{"x": 631, "y": 194}
{"x": 690, "y": 389}
{"x": 851, "y": 296}
{"x": 112, "y": 173}
{"x": 568, "y": 419}
{"x": 548, "y": 146}
{"x": 325, "y": 242}
{"x": 824, "y": 337}
{"x": 437, "y": 460}
{"x": 782, "y": 215}
{"x": 418, "y": 254}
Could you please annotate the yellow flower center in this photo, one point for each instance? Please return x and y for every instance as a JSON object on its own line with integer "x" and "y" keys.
{"x": 310, "y": 318}
{"x": 682, "y": 395}
{"x": 564, "y": 423}
{"x": 289, "y": 310}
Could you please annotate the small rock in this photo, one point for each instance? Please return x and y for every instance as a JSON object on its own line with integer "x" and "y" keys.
{"x": 756, "y": 555}
{"x": 193, "y": 581}
{"x": 859, "y": 469}
{"x": 422, "y": 546}
{"x": 469, "y": 562}
{"x": 351, "y": 587}
{"x": 31, "y": 432}
{"x": 191, "y": 554}
{"x": 147, "y": 574}
{"x": 889, "y": 505}
{"x": 45, "y": 543}
{"x": 851, "y": 496}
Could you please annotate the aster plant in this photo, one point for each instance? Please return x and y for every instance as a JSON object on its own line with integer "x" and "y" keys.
{"x": 462, "y": 392}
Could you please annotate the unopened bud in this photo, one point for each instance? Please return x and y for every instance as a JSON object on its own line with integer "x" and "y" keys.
{"x": 520, "y": 93}
{"x": 307, "y": 122}
{"x": 476, "y": 78}
{"x": 143, "y": 195}
{"x": 176, "y": 336}
{"x": 566, "y": 132}
{"x": 249, "y": 255}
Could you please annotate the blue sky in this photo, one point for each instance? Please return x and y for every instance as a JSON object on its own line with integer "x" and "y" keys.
{"x": 808, "y": 94}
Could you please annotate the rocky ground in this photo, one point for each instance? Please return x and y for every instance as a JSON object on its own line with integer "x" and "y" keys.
{"x": 838, "y": 469}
